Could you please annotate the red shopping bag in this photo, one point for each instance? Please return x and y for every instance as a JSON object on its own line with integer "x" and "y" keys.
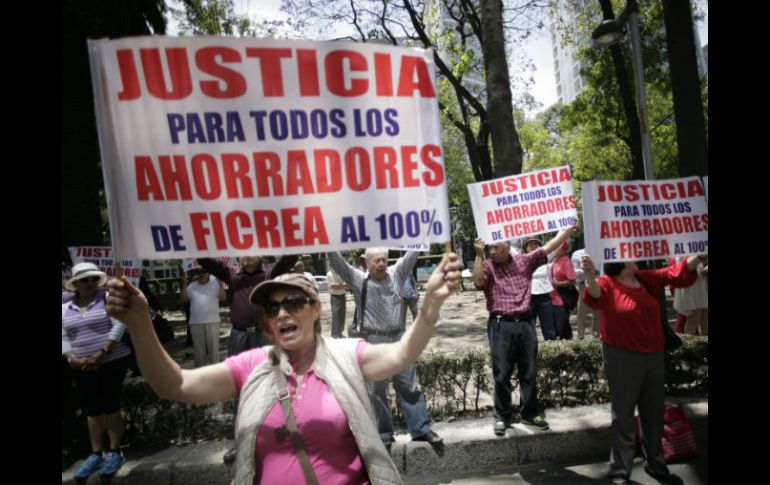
{"x": 678, "y": 439}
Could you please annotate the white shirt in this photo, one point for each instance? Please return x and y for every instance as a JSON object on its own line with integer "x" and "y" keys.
{"x": 204, "y": 301}
{"x": 333, "y": 279}
{"x": 580, "y": 276}
{"x": 540, "y": 282}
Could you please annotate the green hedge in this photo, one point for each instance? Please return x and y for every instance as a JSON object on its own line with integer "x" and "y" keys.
{"x": 569, "y": 374}
{"x": 151, "y": 421}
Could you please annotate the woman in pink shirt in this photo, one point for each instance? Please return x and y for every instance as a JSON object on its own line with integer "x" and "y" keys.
{"x": 304, "y": 413}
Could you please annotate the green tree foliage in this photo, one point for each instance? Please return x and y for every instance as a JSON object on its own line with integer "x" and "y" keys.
{"x": 210, "y": 17}
{"x": 542, "y": 139}
{"x": 594, "y": 131}
{"x": 453, "y": 28}
{"x": 218, "y": 18}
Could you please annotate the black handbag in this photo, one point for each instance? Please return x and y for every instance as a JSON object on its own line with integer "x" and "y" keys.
{"x": 162, "y": 326}
{"x": 673, "y": 341}
{"x": 570, "y": 296}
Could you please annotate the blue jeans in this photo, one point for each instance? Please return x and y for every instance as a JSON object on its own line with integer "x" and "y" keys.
{"x": 542, "y": 307}
{"x": 410, "y": 397}
{"x": 513, "y": 343}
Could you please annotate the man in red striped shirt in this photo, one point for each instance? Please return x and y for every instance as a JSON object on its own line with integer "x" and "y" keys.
{"x": 506, "y": 281}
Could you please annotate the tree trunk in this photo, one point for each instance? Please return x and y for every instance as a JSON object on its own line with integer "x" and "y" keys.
{"x": 629, "y": 103}
{"x": 685, "y": 86}
{"x": 81, "y": 177}
{"x": 506, "y": 147}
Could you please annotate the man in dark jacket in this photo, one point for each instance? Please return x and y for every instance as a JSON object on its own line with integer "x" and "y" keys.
{"x": 246, "y": 332}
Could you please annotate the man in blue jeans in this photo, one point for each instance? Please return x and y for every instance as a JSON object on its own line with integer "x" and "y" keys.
{"x": 382, "y": 308}
{"x": 506, "y": 282}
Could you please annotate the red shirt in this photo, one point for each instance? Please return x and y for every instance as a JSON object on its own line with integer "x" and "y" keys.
{"x": 508, "y": 288}
{"x": 630, "y": 317}
{"x": 560, "y": 270}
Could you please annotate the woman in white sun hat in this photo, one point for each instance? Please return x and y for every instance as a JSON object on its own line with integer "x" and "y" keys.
{"x": 91, "y": 343}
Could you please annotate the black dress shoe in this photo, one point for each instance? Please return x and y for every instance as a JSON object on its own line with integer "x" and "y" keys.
{"x": 431, "y": 437}
{"x": 666, "y": 479}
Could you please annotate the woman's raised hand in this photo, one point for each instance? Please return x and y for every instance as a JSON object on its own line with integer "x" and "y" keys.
{"x": 445, "y": 279}
{"x": 588, "y": 265}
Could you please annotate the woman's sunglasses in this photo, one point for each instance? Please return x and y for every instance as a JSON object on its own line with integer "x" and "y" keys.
{"x": 292, "y": 304}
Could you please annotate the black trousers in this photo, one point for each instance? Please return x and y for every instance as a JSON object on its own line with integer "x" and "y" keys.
{"x": 513, "y": 343}
{"x": 101, "y": 388}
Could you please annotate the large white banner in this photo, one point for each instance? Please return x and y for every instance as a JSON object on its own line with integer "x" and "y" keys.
{"x": 102, "y": 257}
{"x": 639, "y": 220}
{"x": 523, "y": 205}
{"x": 227, "y": 147}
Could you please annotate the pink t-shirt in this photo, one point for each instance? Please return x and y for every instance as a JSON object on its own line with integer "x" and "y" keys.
{"x": 322, "y": 423}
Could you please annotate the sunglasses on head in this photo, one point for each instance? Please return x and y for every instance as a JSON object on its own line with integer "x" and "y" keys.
{"x": 292, "y": 304}
{"x": 90, "y": 279}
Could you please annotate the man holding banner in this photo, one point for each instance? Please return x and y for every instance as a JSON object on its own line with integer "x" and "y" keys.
{"x": 506, "y": 281}
{"x": 378, "y": 297}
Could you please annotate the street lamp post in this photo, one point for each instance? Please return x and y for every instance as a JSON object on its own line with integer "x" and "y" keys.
{"x": 610, "y": 32}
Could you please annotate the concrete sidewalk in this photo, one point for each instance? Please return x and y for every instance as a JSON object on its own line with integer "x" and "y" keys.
{"x": 577, "y": 435}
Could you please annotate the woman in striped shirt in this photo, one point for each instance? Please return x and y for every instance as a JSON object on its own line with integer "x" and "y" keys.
{"x": 91, "y": 343}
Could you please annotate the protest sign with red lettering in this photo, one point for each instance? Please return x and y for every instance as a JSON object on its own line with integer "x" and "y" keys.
{"x": 102, "y": 257}
{"x": 235, "y": 146}
{"x": 639, "y": 220}
{"x": 523, "y": 205}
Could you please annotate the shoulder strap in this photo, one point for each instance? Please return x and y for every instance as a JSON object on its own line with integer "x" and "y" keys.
{"x": 362, "y": 312}
{"x": 284, "y": 397}
{"x": 649, "y": 290}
